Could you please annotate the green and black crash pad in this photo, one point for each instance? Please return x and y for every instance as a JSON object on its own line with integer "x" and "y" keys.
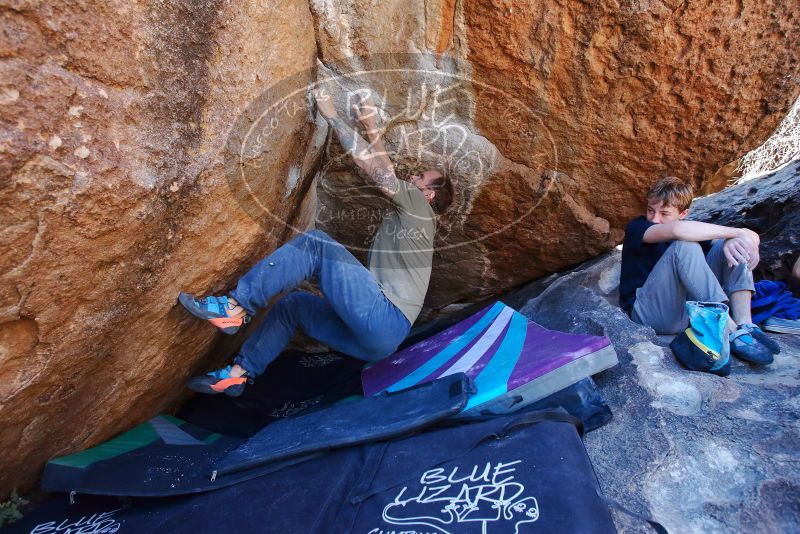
{"x": 168, "y": 456}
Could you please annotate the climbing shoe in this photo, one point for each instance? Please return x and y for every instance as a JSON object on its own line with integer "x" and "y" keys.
{"x": 215, "y": 310}
{"x": 763, "y": 338}
{"x": 745, "y": 347}
{"x": 219, "y": 381}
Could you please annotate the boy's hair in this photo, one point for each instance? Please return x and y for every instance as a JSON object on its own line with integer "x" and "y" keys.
{"x": 671, "y": 191}
{"x": 444, "y": 193}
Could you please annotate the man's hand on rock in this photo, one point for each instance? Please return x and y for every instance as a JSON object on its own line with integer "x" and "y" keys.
{"x": 325, "y": 103}
{"x": 366, "y": 113}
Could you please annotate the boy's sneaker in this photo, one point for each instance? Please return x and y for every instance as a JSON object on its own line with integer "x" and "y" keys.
{"x": 745, "y": 347}
{"x": 763, "y": 338}
{"x": 782, "y": 326}
{"x": 219, "y": 381}
{"x": 215, "y": 310}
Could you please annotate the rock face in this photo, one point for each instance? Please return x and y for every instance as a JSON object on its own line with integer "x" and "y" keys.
{"x": 699, "y": 453}
{"x": 114, "y": 198}
{"x": 143, "y": 155}
{"x": 769, "y": 205}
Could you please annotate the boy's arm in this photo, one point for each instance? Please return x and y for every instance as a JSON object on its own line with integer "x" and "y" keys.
{"x": 695, "y": 231}
{"x": 741, "y": 244}
{"x": 796, "y": 268}
{"x": 363, "y": 156}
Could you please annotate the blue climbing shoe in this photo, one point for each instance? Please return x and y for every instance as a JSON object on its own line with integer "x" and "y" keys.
{"x": 763, "y": 338}
{"x": 745, "y": 347}
{"x": 215, "y": 310}
{"x": 219, "y": 381}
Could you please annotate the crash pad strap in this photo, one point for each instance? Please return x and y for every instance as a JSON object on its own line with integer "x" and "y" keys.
{"x": 171, "y": 434}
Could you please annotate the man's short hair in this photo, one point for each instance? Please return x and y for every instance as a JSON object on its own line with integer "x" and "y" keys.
{"x": 671, "y": 191}
{"x": 443, "y": 188}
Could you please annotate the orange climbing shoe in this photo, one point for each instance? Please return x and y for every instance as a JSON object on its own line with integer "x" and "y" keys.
{"x": 219, "y": 381}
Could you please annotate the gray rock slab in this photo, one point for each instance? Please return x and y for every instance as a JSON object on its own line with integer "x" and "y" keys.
{"x": 697, "y": 452}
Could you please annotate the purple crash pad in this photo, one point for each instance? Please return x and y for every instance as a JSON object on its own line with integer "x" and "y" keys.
{"x": 506, "y": 356}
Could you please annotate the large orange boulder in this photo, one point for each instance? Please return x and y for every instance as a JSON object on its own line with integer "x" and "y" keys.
{"x": 114, "y": 197}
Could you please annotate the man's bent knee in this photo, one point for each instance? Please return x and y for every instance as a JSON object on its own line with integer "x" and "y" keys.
{"x": 287, "y": 306}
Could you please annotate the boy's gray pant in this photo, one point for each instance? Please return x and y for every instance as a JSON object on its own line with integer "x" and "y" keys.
{"x": 682, "y": 274}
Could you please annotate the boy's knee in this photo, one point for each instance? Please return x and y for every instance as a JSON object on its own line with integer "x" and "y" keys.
{"x": 687, "y": 245}
{"x": 683, "y": 248}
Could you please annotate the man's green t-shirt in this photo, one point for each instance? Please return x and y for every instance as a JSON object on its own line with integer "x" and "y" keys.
{"x": 402, "y": 252}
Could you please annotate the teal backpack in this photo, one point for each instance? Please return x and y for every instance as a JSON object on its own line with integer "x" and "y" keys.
{"x": 703, "y": 346}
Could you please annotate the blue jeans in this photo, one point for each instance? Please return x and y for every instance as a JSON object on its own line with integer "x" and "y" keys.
{"x": 355, "y": 317}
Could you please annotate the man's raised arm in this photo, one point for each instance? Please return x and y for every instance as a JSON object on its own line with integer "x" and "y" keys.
{"x": 367, "y": 114}
{"x": 377, "y": 166}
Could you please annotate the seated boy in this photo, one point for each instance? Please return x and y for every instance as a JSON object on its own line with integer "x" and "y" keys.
{"x": 667, "y": 260}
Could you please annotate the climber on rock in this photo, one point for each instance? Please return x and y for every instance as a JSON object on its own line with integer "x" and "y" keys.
{"x": 365, "y": 312}
{"x": 667, "y": 260}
